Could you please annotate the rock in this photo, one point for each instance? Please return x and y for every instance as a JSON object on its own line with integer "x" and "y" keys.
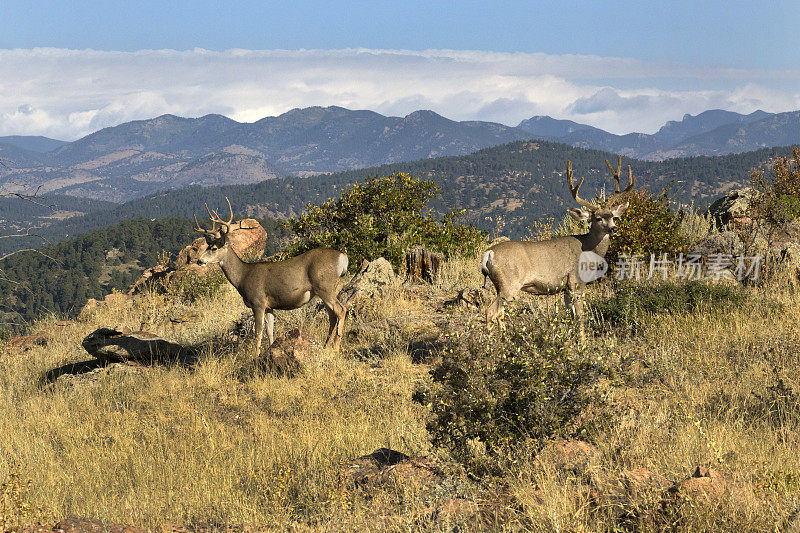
{"x": 190, "y": 254}
{"x": 788, "y": 256}
{"x": 569, "y": 456}
{"x": 630, "y": 495}
{"x": 733, "y": 208}
{"x": 422, "y": 265}
{"x": 726, "y": 242}
{"x": 247, "y": 238}
{"x": 710, "y": 486}
{"x": 26, "y": 342}
{"x": 289, "y": 355}
{"x": 88, "y": 372}
{"x": 76, "y": 524}
{"x": 442, "y": 493}
{"x": 385, "y": 467}
{"x": 113, "y": 299}
{"x": 152, "y": 274}
{"x": 120, "y": 344}
{"x": 371, "y": 281}
{"x": 40, "y": 338}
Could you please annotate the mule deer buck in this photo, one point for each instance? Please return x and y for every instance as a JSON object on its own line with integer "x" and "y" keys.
{"x": 551, "y": 266}
{"x": 284, "y": 285}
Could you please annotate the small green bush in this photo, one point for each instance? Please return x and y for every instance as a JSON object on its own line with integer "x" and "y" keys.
{"x": 530, "y": 382}
{"x": 632, "y": 302}
{"x": 383, "y": 217}
{"x": 778, "y": 191}
{"x": 647, "y": 227}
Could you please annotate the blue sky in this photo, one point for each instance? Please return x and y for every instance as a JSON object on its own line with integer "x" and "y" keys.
{"x": 623, "y": 66}
{"x": 734, "y": 33}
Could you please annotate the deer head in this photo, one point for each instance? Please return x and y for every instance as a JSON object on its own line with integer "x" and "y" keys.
{"x": 602, "y": 217}
{"x": 216, "y": 238}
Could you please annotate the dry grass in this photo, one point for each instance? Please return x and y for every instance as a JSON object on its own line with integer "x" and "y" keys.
{"x": 202, "y": 445}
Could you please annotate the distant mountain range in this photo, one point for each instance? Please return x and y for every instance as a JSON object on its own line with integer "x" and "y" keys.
{"x": 714, "y": 132}
{"x": 138, "y": 158}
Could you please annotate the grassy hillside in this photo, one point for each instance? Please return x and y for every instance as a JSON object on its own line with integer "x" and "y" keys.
{"x": 214, "y": 445}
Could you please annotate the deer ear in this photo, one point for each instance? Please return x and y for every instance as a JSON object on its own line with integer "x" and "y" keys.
{"x": 578, "y": 214}
{"x": 620, "y": 209}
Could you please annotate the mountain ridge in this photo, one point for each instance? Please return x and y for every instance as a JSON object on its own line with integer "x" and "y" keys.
{"x": 142, "y": 157}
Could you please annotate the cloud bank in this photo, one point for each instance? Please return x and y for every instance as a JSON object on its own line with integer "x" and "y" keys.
{"x": 67, "y": 94}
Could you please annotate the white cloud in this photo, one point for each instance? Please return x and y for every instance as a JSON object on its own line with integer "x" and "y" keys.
{"x": 69, "y": 93}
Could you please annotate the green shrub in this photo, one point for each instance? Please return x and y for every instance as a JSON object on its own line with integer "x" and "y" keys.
{"x": 632, "y": 302}
{"x": 530, "y": 382}
{"x": 383, "y": 216}
{"x": 778, "y": 191}
{"x": 647, "y": 227}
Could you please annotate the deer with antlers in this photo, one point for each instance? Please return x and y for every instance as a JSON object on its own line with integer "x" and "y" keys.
{"x": 283, "y": 285}
{"x": 552, "y": 266}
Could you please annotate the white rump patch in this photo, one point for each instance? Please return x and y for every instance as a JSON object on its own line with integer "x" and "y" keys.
{"x": 343, "y": 263}
{"x": 486, "y": 261}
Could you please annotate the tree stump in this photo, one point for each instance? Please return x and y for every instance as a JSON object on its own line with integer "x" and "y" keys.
{"x": 422, "y": 264}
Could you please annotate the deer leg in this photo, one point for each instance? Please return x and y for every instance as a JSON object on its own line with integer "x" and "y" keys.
{"x": 258, "y": 318}
{"x": 336, "y": 314}
{"x": 270, "y": 319}
{"x": 342, "y": 318}
{"x": 574, "y": 301}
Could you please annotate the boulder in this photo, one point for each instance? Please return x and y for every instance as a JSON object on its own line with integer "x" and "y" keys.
{"x": 115, "y": 299}
{"x": 289, "y": 355}
{"x": 390, "y": 468}
{"x": 733, "y": 208}
{"x": 371, "y": 281}
{"x": 725, "y": 242}
{"x": 569, "y": 456}
{"x": 422, "y": 265}
{"x": 119, "y": 344}
{"x": 709, "y": 486}
{"x": 247, "y": 238}
{"x": 190, "y": 254}
{"x": 26, "y": 342}
{"x": 632, "y": 495}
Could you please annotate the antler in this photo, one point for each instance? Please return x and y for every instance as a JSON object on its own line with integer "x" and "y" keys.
{"x": 617, "y": 196}
{"x": 574, "y": 189}
{"x": 214, "y": 216}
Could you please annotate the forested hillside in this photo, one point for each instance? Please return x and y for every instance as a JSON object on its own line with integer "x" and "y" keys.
{"x": 61, "y": 277}
{"x": 523, "y": 181}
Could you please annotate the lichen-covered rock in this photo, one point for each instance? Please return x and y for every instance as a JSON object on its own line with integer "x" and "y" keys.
{"x": 569, "y": 456}
{"x": 734, "y": 207}
{"x": 725, "y": 242}
{"x": 371, "y": 281}
{"x": 708, "y": 487}
{"x": 247, "y": 238}
{"x": 289, "y": 355}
